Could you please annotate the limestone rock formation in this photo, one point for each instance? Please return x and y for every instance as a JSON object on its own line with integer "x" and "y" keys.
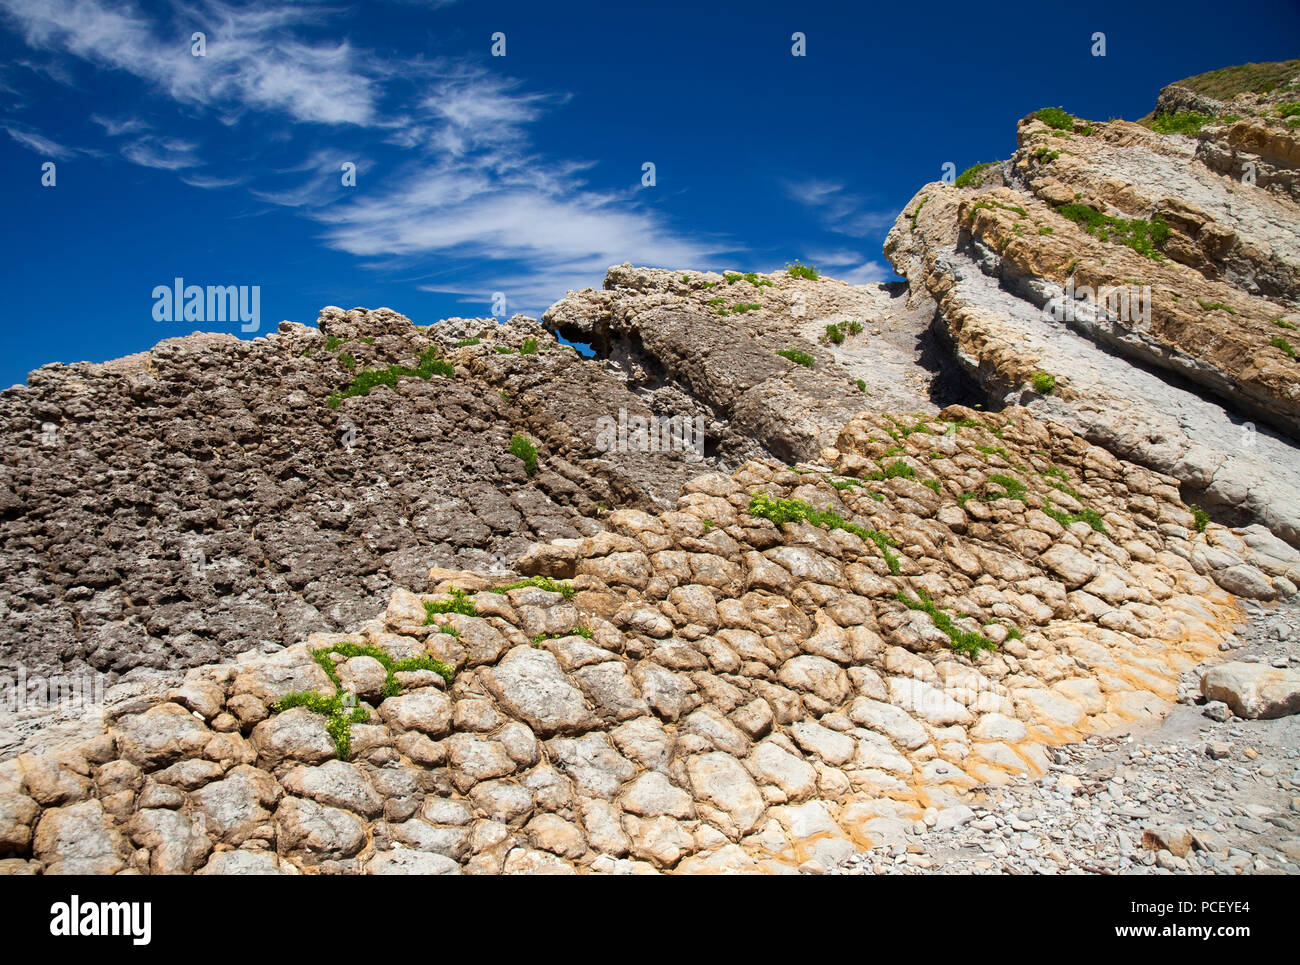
{"x": 381, "y": 598}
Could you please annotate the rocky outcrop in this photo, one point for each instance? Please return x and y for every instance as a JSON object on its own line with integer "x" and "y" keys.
{"x": 1150, "y": 294}
{"x": 792, "y": 664}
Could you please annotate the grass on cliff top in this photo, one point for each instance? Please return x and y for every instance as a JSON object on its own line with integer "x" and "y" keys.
{"x": 782, "y": 511}
{"x": 799, "y": 270}
{"x": 429, "y": 366}
{"x": 973, "y": 176}
{"x": 1184, "y": 122}
{"x": 1227, "y": 82}
{"x": 1058, "y": 119}
{"x": 797, "y": 357}
{"x": 963, "y": 641}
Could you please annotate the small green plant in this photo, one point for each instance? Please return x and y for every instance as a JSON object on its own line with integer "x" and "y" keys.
{"x": 1283, "y": 323}
{"x": 1044, "y": 382}
{"x": 1013, "y": 208}
{"x": 916, "y": 212}
{"x": 686, "y": 279}
{"x": 429, "y": 366}
{"x": 332, "y": 343}
{"x": 562, "y": 587}
{"x": 862, "y": 385}
{"x": 834, "y": 335}
{"x": 467, "y": 342}
{"x": 504, "y": 350}
{"x": 743, "y": 307}
{"x": 1216, "y": 307}
{"x": 1089, "y": 516}
{"x": 1201, "y": 517}
{"x": 963, "y": 641}
{"x": 522, "y": 446}
{"x": 448, "y": 629}
{"x": 1046, "y": 156}
{"x": 458, "y": 601}
{"x": 348, "y": 361}
{"x": 932, "y": 484}
{"x": 1277, "y": 341}
{"x": 799, "y": 270}
{"x": 972, "y": 177}
{"x": 529, "y": 347}
{"x": 340, "y": 709}
{"x": 581, "y": 631}
{"x": 797, "y": 357}
{"x": 782, "y": 511}
{"x": 1045, "y": 230}
{"x": 855, "y": 328}
{"x": 753, "y": 279}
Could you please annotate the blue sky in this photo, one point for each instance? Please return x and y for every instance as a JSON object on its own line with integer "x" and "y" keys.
{"x": 519, "y": 174}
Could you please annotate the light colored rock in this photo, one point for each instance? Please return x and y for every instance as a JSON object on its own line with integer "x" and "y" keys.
{"x": 1252, "y": 690}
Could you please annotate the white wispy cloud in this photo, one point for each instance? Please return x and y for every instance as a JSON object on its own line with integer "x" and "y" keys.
{"x": 850, "y": 266}
{"x": 840, "y": 210}
{"x": 472, "y": 197}
{"x": 252, "y": 61}
{"x": 39, "y": 143}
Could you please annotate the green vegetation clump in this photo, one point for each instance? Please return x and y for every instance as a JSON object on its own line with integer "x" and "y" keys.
{"x": 731, "y": 277}
{"x": 1183, "y": 122}
{"x": 458, "y": 602}
{"x": 522, "y": 446}
{"x": 797, "y": 357}
{"x": 1044, "y": 383}
{"x": 429, "y": 366}
{"x": 505, "y": 350}
{"x": 753, "y": 279}
{"x": 529, "y": 347}
{"x": 862, "y": 385}
{"x": 340, "y": 710}
{"x": 799, "y": 270}
{"x": 1089, "y": 516}
{"x": 782, "y": 511}
{"x": 1202, "y": 518}
{"x": 563, "y": 587}
{"x": 1045, "y": 155}
{"x": 1216, "y": 306}
{"x": 963, "y": 641}
{"x": 686, "y": 279}
{"x": 332, "y": 343}
{"x": 1283, "y": 323}
{"x": 467, "y": 342}
{"x": 1013, "y": 208}
{"x": 916, "y": 213}
{"x": 1277, "y": 341}
{"x": 742, "y": 308}
{"x": 834, "y": 334}
{"x": 1144, "y": 237}
{"x": 972, "y": 177}
{"x": 1056, "y": 118}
